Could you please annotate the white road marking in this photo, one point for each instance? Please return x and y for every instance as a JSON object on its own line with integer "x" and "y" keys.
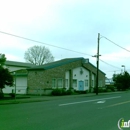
{"x": 72, "y": 103}
{"x": 101, "y": 101}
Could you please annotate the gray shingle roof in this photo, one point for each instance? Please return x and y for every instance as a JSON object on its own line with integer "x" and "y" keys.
{"x": 20, "y": 64}
{"x": 56, "y": 64}
{"x": 30, "y": 66}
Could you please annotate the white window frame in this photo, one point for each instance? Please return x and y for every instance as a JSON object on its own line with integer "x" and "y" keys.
{"x": 66, "y": 83}
{"x": 61, "y": 83}
{"x": 75, "y": 84}
{"x": 86, "y": 83}
{"x": 92, "y": 83}
{"x": 54, "y": 83}
{"x": 100, "y": 83}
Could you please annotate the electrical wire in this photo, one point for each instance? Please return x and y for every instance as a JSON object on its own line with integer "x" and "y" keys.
{"x": 115, "y": 43}
{"x": 59, "y": 46}
{"x": 43, "y": 43}
{"x": 109, "y": 64}
{"x": 113, "y": 70}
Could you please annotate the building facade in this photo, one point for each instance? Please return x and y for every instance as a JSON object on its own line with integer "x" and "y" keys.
{"x": 19, "y": 72}
{"x": 76, "y": 73}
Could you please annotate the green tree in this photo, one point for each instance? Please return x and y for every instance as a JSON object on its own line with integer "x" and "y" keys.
{"x": 122, "y": 81}
{"x": 2, "y": 59}
{"x": 5, "y": 76}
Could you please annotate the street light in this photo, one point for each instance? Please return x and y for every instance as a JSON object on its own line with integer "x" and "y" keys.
{"x": 124, "y": 67}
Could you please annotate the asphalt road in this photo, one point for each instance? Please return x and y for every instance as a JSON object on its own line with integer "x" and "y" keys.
{"x": 100, "y": 112}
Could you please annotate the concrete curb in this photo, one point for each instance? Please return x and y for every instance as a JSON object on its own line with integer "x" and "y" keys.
{"x": 19, "y": 102}
{"x": 48, "y": 98}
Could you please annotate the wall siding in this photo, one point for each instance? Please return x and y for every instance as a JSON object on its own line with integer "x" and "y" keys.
{"x": 42, "y": 79}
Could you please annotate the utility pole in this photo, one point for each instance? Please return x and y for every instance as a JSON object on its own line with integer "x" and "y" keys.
{"x": 97, "y": 77}
{"x": 97, "y": 56}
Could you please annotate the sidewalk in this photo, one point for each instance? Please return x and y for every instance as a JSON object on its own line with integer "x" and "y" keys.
{"x": 31, "y": 98}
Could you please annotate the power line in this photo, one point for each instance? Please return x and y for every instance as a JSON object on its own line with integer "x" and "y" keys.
{"x": 109, "y": 64}
{"x": 116, "y": 44}
{"x": 113, "y": 70}
{"x": 52, "y": 45}
{"x": 43, "y": 43}
{"x": 118, "y": 57}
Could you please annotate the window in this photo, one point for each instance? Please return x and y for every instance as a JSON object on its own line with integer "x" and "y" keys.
{"x": 100, "y": 83}
{"x": 86, "y": 83}
{"x": 92, "y": 83}
{"x": 59, "y": 83}
{"x": 53, "y": 83}
{"x": 74, "y": 83}
{"x": 66, "y": 83}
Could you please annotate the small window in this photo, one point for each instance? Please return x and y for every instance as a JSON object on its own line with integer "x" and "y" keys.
{"x": 92, "y": 83}
{"x": 66, "y": 83}
{"x": 100, "y": 83}
{"x": 59, "y": 83}
{"x": 86, "y": 83}
{"x": 74, "y": 83}
{"x": 53, "y": 83}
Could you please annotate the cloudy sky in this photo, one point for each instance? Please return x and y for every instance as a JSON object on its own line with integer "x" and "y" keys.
{"x": 71, "y": 24}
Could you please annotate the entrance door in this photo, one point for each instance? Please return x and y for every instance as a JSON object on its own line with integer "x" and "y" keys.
{"x": 81, "y": 85}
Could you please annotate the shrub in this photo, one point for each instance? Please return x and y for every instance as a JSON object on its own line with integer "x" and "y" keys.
{"x": 12, "y": 95}
{"x": 1, "y": 95}
{"x": 109, "y": 90}
{"x": 69, "y": 92}
{"x": 84, "y": 92}
{"x": 112, "y": 88}
{"x": 94, "y": 90}
{"x": 81, "y": 92}
{"x": 105, "y": 90}
{"x": 62, "y": 91}
{"x": 57, "y": 92}
{"x": 100, "y": 90}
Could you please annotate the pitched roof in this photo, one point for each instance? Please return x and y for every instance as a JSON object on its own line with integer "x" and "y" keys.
{"x": 30, "y": 66}
{"x": 56, "y": 63}
{"x": 19, "y": 64}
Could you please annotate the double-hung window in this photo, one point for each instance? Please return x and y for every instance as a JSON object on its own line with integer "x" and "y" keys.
{"x": 59, "y": 83}
{"x": 53, "y": 83}
{"x": 86, "y": 83}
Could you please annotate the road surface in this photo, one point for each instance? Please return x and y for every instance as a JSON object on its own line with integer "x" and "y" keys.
{"x": 100, "y": 112}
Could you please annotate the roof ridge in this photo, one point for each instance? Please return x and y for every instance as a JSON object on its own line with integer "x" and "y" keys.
{"x": 57, "y": 63}
{"x": 18, "y": 62}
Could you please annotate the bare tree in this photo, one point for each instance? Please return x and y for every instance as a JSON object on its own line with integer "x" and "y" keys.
{"x": 38, "y": 55}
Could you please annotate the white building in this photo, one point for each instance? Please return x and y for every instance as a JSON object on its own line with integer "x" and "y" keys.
{"x": 18, "y": 70}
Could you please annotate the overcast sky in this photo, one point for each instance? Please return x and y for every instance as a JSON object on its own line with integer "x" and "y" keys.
{"x": 72, "y": 24}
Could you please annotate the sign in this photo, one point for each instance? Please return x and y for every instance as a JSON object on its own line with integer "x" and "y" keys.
{"x": 122, "y": 124}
